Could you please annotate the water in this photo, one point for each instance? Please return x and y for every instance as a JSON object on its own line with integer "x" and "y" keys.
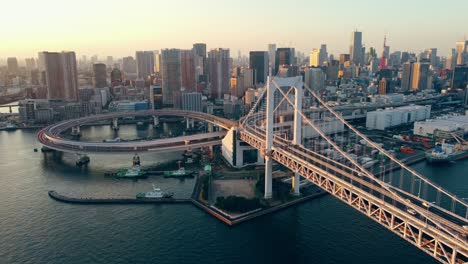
{"x": 37, "y": 229}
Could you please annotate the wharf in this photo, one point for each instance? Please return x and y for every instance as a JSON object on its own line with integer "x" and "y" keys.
{"x": 86, "y": 200}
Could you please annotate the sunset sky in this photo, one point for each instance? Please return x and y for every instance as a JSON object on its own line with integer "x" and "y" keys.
{"x": 120, "y": 27}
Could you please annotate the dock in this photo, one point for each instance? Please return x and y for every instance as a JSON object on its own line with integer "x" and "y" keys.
{"x": 87, "y": 200}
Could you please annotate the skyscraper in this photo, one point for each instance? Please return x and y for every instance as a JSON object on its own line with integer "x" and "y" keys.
{"x": 116, "y": 77}
{"x": 129, "y": 64}
{"x": 200, "y": 57}
{"x": 99, "y": 75}
{"x": 315, "y": 78}
{"x": 406, "y": 76}
{"x": 323, "y": 54}
{"x": 355, "y": 49}
{"x": 382, "y": 86}
{"x": 284, "y": 56}
{"x": 420, "y": 76}
{"x": 451, "y": 61}
{"x": 61, "y": 75}
{"x": 462, "y": 52}
{"x": 145, "y": 63}
{"x": 314, "y": 59}
{"x": 12, "y": 64}
{"x": 332, "y": 70}
{"x": 171, "y": 75}
{"x": 460, "y": 77}
{"x": 272, "y": 54}
{"x": 188, "y": 70}
{"x": 259, "y": 64}
{"x": 218, "y": 72}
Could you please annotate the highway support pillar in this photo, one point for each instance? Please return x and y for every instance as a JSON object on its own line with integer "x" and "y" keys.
{"x": 155, "y": 121}
{"x": 297, "y": 137}
{"x": 269, "y": 139}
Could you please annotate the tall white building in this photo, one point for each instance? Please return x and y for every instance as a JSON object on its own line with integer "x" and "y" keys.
{"x": 192, "y": 101}
{"x": 314, "y": 59}
{"x": 272, "y": 54}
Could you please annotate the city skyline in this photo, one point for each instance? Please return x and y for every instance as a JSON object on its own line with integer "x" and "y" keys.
{"x": 226, "y": 25}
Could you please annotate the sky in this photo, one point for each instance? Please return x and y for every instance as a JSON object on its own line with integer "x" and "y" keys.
{"x": 120, "y": 27}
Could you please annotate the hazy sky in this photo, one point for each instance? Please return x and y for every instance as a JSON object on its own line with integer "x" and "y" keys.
{"x": 119, "y": 27}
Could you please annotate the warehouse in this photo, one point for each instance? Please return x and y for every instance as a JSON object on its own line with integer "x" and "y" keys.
{"x": 392, "y": 117}
{"x": 441, "y": 127}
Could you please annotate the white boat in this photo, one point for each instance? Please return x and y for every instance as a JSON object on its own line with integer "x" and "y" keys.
{"x": 117, "y": 139}
{"x": 156, "y": 193}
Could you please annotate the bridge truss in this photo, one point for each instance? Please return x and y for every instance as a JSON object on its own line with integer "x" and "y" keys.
{"x": 326, "y": 150}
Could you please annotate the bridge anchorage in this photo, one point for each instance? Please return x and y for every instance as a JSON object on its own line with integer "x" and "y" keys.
{"x": 319, "y": 145}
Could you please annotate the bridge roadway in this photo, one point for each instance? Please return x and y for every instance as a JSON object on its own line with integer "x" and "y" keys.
{"x": 51, "y": 135}
{"x": 432, "y": 229}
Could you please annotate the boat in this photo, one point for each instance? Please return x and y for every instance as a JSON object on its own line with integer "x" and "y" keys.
{"x": 155, "y": 194}
{"x": 84, "y": 160}
{"x": 115, "y": 140}
{"x": 132, "y": 173}
{"x": 445, "y": 152}
{"x": 10, "y": 127}
{"x": 181, "y": 172}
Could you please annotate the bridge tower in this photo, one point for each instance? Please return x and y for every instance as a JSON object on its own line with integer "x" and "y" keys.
{"x": 297, "y": 133}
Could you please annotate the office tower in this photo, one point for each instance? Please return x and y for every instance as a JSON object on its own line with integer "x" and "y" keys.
{"x": 344, "y": 58}
{"x": 355, "y": 49}
{"x": 99, "y": 75}
{"x": 283, "y": 56}
{"x": 12, "y": 64}
{"x": 200, "y": 59}
{"x": 314, "y": 59}
{"x": 315, "y": 78}
{"x": 420, "y": 76}
{"x": 110, "y": 61}
{"x": 129, "y": 64}
{"x": 404, "y": 57}
{"x": 406, "y": 76}
{"x": 462, "y": 51}
{"x": 383, "y": 86}
{"x": 116, "y": 77}
{"x": 171, "y": 76}
{"x": 187, "y": 62}
{"x": 218, "y": 72}
{"x": 431, "y": 56}
{"x": 451, "y": 61}
{"x": 192, "y": 101}
{"x": 157, "y": 62}
{"x": 323, "y": 54}
{"x": 272, "y": 54}
{"x": 145, "y": 64}
{"x": 460, "y": 77}
{"x": 395, "y": 59}
{"x": 156, "y": 95}
{"x": 259, "y": 64}
{"x": 248, "y": 77}
{"x": 30, "y": 64}
{"x": 332, "y": 70}
{"x": 61, "y": 75}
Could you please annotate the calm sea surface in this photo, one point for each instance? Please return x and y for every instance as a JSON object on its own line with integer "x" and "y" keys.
{"x": 37, "y": 229}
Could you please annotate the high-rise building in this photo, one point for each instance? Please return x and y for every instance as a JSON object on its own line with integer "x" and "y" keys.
{"x": 156, "y": 95}
{"x": 200, "y": 57}
{"x": 315, "y": 78}
{"x": 323, "y": 54}
{"x": 218, "y": 71}
{"x": 332, "y": 70}
{"x": 99, "y": 75}
{"x": 284, "y": 56}
{"x": 314, "y": 59}
{"x": 355, "y": 49}
{"x": 344, "y": 58}
{"x": 431, "y": 56}
{"x": 259, "y": 65}
{"x": 171, "y": 76}
{"x": 192, "y": 101}
{"x": 383, "y": 86}
{"x": 462, "y": 52}
{"x": 12, "y": 64}
{"x": 272, "y": 54}
{"x": 420, "y": 76}
{"x": 145, "y": 64}
{"x": 460, "y": 77}
{"x": 404, "y": 57}
{"x": 110, "y": 61}
{"x": 451, "y": 61}
{"x": 30, "y": 64}
{"x": 406, "y": 76}
{"x": 61, "y": 75}
{"x": 187, "y": 62}
{"x": 116, "y": 77}
{"x": 129, "y": 64}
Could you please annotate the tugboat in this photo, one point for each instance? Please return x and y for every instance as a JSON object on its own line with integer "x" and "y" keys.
{"x": 10, "y": 127}
{"x": 83, "y": 160}
{"x": 155, "y": 194}
{"x": 132, "y": 173}
{"x": 180, "y": 173}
